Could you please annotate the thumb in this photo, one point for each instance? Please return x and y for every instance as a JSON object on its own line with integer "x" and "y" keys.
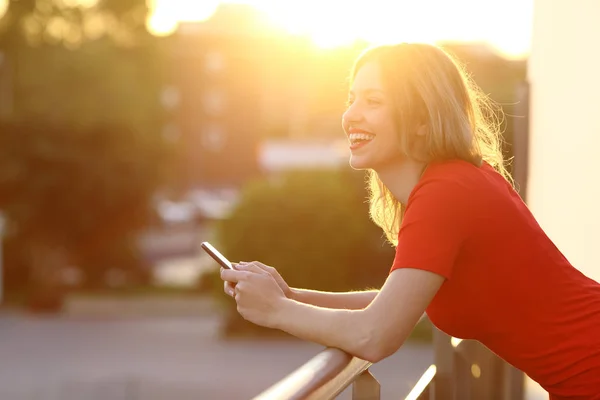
{"x": 239, "y": 265}
{"x": 251, "y": 267}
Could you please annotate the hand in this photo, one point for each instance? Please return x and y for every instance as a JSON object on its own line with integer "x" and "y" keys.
{"x": 257, "y": 294}
{"x": 229, "y": 286}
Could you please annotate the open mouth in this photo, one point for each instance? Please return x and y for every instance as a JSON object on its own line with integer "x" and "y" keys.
{"x": 359, "y": 139}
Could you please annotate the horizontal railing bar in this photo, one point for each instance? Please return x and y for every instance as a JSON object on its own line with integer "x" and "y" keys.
{"x": 323, "y": 377}
{"x": 341, "y": 381}
{"x": 319, "y": 371}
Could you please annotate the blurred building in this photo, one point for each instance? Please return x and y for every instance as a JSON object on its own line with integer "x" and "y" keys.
{"x": 228, "y": 89}
{"x": 564, "y": 187}
{"x": 213, "y": 93}
{"x": 235, "y": 81}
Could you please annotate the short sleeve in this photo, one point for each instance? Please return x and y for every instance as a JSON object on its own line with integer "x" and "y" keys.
{"x": 435, "y": 226}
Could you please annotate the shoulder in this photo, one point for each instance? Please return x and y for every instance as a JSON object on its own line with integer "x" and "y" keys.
{"x": 454, "y": 181}
{"x": 441, "y": 215}
{"x": 456, "y": 171}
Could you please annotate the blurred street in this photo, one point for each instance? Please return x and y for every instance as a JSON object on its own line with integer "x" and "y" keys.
{"x": 78, "y": 358}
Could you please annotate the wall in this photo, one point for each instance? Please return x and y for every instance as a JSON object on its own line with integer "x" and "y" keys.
{"x": 564, "y": 181}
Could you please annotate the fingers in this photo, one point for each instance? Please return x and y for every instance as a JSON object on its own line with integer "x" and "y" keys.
{"x": 233, "y": 276}
{"x": 229, "y": 288}
{"x": 267, "y": 269}
{"x": 238, "y": 265}
{"x": 242, "y": 271}
{"x": 254, "y": 266}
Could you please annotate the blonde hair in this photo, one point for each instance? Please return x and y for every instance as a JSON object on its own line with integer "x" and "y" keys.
{"x": 431, "y": 88}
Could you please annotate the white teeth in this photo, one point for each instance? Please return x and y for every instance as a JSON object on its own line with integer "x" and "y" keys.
{"x": 360, "y": 136}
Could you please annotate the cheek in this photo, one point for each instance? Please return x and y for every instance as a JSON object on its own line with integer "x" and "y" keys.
{"x": 387, "y": 129}
{"x": 389, "y": 142}
{"x": 384, "y": 119}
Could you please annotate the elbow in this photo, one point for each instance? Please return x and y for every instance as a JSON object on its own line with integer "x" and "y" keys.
{"x": 374, "y": 353}
{"x": 371, "y": 355}
{"x": 377, "y": 347}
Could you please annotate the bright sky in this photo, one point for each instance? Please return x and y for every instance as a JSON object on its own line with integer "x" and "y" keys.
{"x": 504, "y": 24}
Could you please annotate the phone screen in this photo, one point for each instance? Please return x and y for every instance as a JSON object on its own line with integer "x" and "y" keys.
{"x": 218, "y": 257}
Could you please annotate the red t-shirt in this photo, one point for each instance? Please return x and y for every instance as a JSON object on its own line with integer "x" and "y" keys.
{"x": 507, "y": 285}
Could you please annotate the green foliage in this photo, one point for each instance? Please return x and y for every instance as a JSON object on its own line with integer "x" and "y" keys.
{"x": 69, "y": 24}
{"x": 80, "y": 149}
{"x": 99, "y": 84}
{"x": 86, "y": 190}
{"x": 313, "y": 226}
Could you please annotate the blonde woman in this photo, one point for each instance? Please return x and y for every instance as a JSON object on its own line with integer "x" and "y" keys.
{"x": 468, "y": 251}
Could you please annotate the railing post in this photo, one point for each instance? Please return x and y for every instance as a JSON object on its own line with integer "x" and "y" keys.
{"x": 514, "y": 383}
{"x": 366, "y": 387}
{"x": 444, "y": 363}
{"x": 479, "y": 372}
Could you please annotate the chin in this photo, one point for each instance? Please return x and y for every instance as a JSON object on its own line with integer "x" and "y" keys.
{"x": 359, "y": 163}
{"x": 368, "y": 162}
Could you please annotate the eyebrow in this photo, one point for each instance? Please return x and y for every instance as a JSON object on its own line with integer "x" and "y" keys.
{"x": 368, "y": 91}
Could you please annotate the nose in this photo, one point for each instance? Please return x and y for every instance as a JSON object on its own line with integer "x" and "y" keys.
{"x": 352, "y": 115}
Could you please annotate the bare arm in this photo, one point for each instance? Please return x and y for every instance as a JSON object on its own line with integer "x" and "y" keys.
{"x": 336, "y": 300}
{"x": 373, "y": 333}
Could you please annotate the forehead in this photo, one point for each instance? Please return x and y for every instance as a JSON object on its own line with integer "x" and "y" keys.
{"x": 367, "y": 78}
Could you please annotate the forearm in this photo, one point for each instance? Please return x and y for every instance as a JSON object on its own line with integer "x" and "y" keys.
{"x": 348, "y": 330}
{"x": 336, "y": 300}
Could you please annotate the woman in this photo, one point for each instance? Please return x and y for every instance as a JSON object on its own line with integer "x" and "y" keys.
{"x": 468, "y": 251}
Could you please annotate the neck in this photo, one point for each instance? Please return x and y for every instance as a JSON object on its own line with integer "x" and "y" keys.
{"x": 401, "y": 178}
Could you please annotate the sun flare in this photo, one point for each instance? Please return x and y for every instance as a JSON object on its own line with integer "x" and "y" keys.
{"x": 332, "y": 23}
{"x": 165, "y": 15}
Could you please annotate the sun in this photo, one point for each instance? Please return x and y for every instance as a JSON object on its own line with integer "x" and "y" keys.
{"x": 165, "y": 15}
{"x": 333, "y": 23}
{"x": 323, "y": 24}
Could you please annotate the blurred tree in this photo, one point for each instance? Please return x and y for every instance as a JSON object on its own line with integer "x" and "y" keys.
{"x": 99, "y": 83}
{"x": 114, "y": 49}
{"x": 81, "y": 147}
{"x": 76, "y": 202}
{"x": 72, "y": 22}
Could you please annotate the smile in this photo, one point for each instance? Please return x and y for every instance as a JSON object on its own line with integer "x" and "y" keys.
{"x": 358, "y": 140}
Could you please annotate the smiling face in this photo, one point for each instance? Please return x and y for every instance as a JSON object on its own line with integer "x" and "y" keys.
{"x": 369, "y": 121}
{"x": 414, "y": 105}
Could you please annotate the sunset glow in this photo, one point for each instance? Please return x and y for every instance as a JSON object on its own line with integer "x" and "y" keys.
{"x": 335, "y": 22}
{"x": 505, "y": 25}
{"x": 166, "y": 14}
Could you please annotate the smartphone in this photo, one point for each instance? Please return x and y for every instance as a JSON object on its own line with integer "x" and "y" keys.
{"x": 218, "y": 257}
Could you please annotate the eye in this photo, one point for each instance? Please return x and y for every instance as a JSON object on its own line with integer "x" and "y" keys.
{"x": 349, "y": 102}
{"x": 373, "y": 101}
